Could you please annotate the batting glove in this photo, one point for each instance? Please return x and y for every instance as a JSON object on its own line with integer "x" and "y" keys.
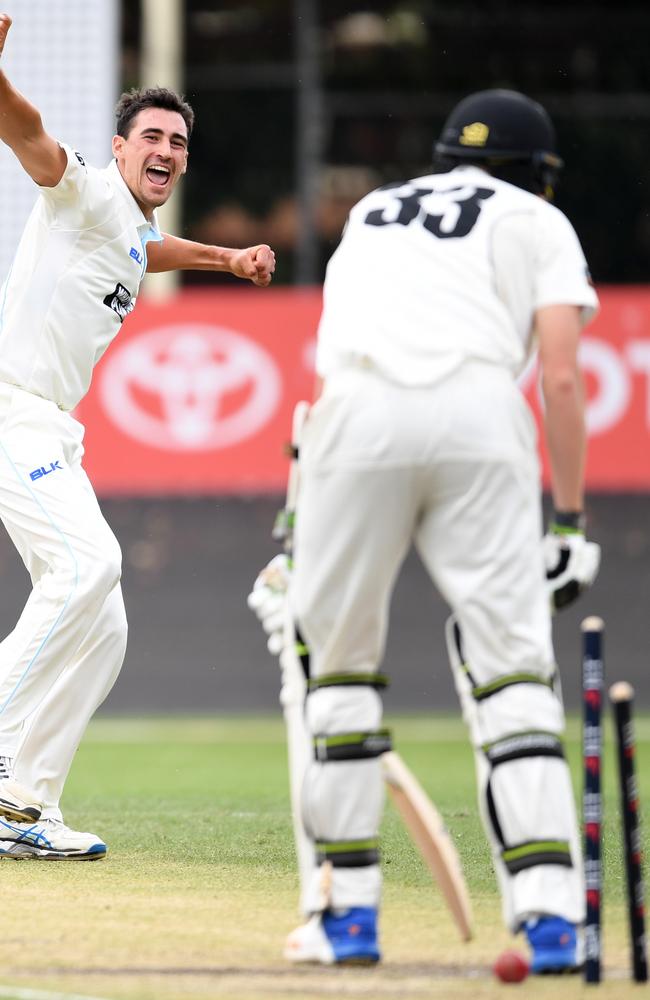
{"x": 268, "y": 600}
{"x": 572, "y": 563}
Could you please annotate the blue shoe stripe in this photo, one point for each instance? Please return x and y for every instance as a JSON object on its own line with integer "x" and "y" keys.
{"x": 33, "y": 835}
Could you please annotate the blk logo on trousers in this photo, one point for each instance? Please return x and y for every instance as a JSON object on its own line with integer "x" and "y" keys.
{"x": 43, "y": 471}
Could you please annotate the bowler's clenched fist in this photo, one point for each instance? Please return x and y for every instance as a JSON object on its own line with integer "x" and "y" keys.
{"x": 264, "y": 260}
{"x": 255, "y": 263}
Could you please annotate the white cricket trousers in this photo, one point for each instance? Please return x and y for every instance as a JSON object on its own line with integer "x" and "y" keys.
{"x": 66, "y": 650}
{"x": 452, "y": 469}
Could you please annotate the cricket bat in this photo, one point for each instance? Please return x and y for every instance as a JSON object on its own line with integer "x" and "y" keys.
{"x": 429, "y": 834}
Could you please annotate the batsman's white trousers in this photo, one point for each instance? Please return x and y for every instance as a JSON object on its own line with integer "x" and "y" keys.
{"x": 453, "y": 469}
{"x": 64, "y": 654}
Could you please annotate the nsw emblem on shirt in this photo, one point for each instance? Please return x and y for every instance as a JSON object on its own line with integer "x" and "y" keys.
{"x": 120, "y": 301}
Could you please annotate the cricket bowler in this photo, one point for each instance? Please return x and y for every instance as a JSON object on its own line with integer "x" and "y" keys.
{"x": 90, "y": 239}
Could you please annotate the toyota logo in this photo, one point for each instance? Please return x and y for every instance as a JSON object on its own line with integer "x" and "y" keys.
{"x": 190, "y": 387}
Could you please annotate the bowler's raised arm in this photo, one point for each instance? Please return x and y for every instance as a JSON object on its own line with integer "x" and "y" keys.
{"x": 21, "y": 128}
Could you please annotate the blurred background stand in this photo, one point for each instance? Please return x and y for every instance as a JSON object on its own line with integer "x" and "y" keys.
{"x": 310, "y": 127}
{"x": 163, "y": 33}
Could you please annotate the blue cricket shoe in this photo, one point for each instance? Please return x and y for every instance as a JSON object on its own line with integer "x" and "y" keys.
{"x": 345, "y": 937}
{"x": 554, "y": 944}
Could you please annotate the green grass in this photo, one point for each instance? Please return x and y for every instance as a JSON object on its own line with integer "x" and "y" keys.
{"x": 199, "y": 888}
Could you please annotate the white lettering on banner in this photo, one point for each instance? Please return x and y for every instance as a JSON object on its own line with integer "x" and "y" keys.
{"x": 639, "y": 356}
{"x": 190, "y": 387}
{"x": 612, "y": 371}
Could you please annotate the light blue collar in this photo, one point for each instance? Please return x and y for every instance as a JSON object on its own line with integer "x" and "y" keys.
{"x": 151, "y": 232}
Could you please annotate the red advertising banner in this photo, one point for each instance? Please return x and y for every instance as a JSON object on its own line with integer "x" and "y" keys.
{"x": 195, "y": 395}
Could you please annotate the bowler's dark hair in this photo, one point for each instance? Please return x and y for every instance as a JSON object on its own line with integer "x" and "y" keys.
{"x": 134, "y": 101}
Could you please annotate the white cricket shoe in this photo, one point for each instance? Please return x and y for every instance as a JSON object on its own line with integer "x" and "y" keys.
{"x": 341, "y": 937}
{"x": 50, "y": 840}
{"x": 17, "y": 802}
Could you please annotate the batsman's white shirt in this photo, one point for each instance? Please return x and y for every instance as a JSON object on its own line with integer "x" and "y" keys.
{"x": 74, "y": 278}
{"x": 445, "y": 269}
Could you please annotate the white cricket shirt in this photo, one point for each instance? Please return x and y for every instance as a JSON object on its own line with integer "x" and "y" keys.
{"x": 444, "y": 269}
{"x": 74, "y": 278}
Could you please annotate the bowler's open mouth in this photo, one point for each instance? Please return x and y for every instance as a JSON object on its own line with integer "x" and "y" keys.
{"x": 158, "y": 174}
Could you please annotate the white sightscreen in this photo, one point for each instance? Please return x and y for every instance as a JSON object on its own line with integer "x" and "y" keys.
{"x": 63, "y": 56}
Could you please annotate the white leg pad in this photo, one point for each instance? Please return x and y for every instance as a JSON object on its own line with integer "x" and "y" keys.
{"x": 343, "y": 800}
{"x": 526, "y": 800}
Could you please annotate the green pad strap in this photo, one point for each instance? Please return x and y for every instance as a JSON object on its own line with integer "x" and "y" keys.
{"x": 348, "y": 853}
{"x": 348, "y": 680}
{"x": 352, "y": 746}
{"x": 483, "y": 691}
{"x": 519, "y": 745}
{"x": 537, "y": 852}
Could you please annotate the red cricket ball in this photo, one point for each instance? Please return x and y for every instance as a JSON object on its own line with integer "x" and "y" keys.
{"x": 511, "y": 966}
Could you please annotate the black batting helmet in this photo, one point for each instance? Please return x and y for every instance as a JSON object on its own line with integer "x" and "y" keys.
{"x": 502, "y": 130}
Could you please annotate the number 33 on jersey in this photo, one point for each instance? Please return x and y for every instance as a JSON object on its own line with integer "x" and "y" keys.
{"x": 448, "y": 213}
{"x": 411, "y": 252}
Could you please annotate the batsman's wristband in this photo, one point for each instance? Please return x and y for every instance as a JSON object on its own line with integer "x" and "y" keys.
{"x": 567, "y": 522}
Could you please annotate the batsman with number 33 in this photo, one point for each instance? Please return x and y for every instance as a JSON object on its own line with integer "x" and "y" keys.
{"x": 442, "y": 289}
